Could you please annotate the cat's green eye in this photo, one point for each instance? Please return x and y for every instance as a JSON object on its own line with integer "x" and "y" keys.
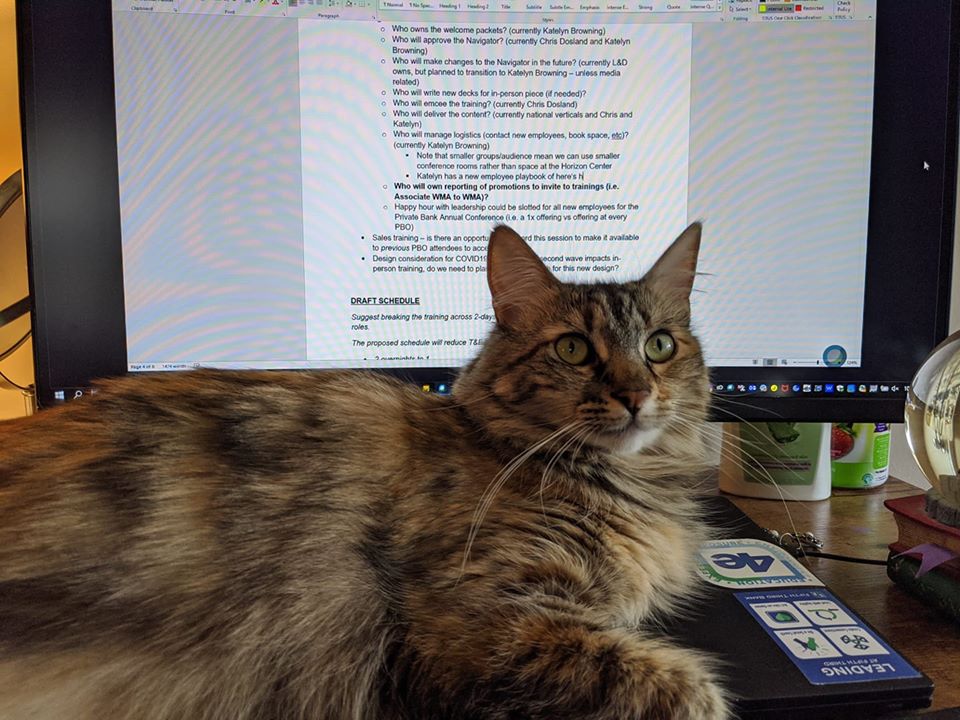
{"x": 573, "y": 349}
{"x": 660, "y": 347}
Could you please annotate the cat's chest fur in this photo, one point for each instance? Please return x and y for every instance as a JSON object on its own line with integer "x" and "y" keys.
{"x": 627, "y": 561}
{"x": 648, "y": 544}
{"x": 648, "y": 566}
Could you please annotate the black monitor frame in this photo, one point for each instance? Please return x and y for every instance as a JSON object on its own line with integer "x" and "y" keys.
{"x": 73, "y": 216}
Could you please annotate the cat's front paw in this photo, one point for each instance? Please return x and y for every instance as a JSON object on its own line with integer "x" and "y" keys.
{"x": 706, "y": 700}
{"x": 672, "y": 683}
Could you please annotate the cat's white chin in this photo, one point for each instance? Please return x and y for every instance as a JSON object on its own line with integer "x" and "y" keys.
{"x": 631, "y": 440}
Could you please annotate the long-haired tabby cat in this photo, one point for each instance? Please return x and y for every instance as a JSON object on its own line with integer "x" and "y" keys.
{"x": 341, "y": 546}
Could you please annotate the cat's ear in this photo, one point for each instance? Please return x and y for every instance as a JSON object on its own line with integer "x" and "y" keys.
{"x": 674, "y": 272}
{"x": 521, "y": 286}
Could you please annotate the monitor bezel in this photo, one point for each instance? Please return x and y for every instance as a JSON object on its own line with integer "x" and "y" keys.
{"x": 73, "y": 215}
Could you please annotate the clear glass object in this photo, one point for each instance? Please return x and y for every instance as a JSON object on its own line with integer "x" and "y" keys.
{"x": 933, "y": 427}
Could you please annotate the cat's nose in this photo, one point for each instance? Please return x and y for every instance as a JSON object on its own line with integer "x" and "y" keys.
{"x": 631, "y": 399}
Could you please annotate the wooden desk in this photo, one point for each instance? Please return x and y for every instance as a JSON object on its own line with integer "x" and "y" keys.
{"x": 855, "y": 522}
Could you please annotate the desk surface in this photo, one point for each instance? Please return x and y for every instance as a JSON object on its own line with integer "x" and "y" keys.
{"x": 855, "y": 522}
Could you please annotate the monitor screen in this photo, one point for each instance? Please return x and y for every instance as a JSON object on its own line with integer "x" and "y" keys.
{"x": 310, "y": 185}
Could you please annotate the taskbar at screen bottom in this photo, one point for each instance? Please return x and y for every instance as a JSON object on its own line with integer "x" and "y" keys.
{"x": 855, "y": 402}
{"x": 811, "y": 389}
{"x": 443, "y": 384}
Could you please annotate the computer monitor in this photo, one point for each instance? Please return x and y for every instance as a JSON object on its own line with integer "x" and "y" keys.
{"x": 310, "y": 184}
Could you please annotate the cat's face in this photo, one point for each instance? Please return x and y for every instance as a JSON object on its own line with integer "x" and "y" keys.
{"x": 614, "y": 366}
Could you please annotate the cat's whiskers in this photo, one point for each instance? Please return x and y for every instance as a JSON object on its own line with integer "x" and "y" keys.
{"x": 784, "y": 492}
{"x": 498, "y": 481}
{"x": 711, "y": 442}
{"x": 581, "y": 434}
{"x": 583, "y": 431}
{"x": 589, "y": 501}
{"x": 719, "y": 399}
{"x": 743, "y": 441}
{"x": 734, "y": 458}
{"x": 583, "y": 441}
{"x": 488, "y": 495}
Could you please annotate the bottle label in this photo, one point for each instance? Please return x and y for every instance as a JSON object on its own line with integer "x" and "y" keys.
{"x": 860, "y": 454}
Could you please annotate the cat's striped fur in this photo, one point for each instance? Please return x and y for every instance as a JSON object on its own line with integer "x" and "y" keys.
{"x": 220, "y": 545}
